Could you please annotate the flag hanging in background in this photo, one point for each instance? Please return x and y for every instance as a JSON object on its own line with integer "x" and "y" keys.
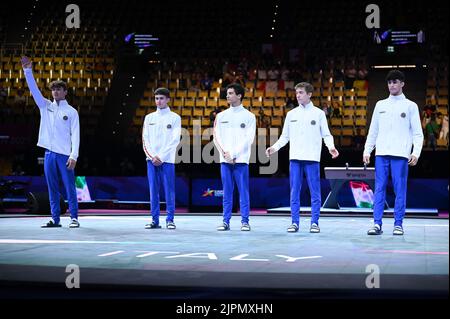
{"x": 82, "y": 189}
{"x": 362, "y": 194}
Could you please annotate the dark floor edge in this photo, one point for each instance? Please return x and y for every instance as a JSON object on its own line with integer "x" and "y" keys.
{"x": 206, "y": 280}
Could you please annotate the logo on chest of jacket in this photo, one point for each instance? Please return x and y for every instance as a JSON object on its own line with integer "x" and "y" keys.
{"x": 313, "y": 122}
{"x": 65, "y": 118}
{"x": 242, "y": 125}
{"x": 403, "y": 115}
{"x": 169, "y": 126}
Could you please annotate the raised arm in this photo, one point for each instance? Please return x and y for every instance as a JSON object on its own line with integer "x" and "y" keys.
{"x": 34, "y": 89}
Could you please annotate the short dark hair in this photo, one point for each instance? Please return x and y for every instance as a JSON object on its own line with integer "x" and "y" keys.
{"x": 395, "y": 75}
{"x": 238, "y": 89}
{"x": 162, "y": 91}
{"x": 58, "y": 84}
{"x": 305, "y": 85}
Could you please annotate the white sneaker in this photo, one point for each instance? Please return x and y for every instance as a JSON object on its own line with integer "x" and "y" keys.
{"x": 375, "y": 230}
{"x": 398, "y": 230}
{"x": 223, "y": 227}
{"x": 314, "y": 228}
{"x": 74, "y": 223}
{"x": 171, "y": 225}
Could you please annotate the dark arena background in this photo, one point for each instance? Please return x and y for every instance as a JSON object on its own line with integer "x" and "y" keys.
{"x": 113, "y": 55}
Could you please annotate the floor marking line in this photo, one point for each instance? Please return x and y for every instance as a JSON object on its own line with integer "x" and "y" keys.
{"x": 408, "y": 252}
{"x": 49, "y": 241}
{"x": 111, "y": 253}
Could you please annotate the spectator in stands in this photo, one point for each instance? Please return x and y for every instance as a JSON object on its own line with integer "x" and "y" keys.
{"x": 425, "y": 118}
{"x": 327, "y": 109}
{"x": 272, "y": 79}
{"x": 59, "y": 135}
{"x": 395, "y": 129}
{"x": 439, "y": 120}
{"x": 213, "y": 114}
{"x": 206, "y": 82}
{"x": 337, "y": 109}
{"x": 194, "y": 83}
{"x": 264, "y": 120}
{"x": 358, "y": 139}
{"x": 5, "y": 110}
{"x": 227, "y": 80}
{"x": 338, "y": 74}
{"x": 432, "y": 132}
{"x": 240, "y": 80}
{"x": 304, "y": 128}
{"x": 362, "y": 72}
{"x": 444, "y": 128}
{"x": 88, "y": 67}
{"x": 429, "y": 109}
{"x": 290, "y": 103}
{"x": 296, "y": 75}
{"x": 251, "y": 74}
{"x": 273, "y": 73}
{"x": 242, "y": 65}
{"x": 234, "y": 132}
{"x": 262, "y": 73}
{"x": 350, "y": 76}
{"x": 3, "y": 93}
{"x": 161, "y": 135}
{"x": 183, "y": 83}
{"x": 285, "y": 73}
{"x": 20, "y": 99}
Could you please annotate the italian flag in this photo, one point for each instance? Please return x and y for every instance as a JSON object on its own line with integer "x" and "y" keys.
{"x": 82, "y": 189}
{"x": 362, "y": 194}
